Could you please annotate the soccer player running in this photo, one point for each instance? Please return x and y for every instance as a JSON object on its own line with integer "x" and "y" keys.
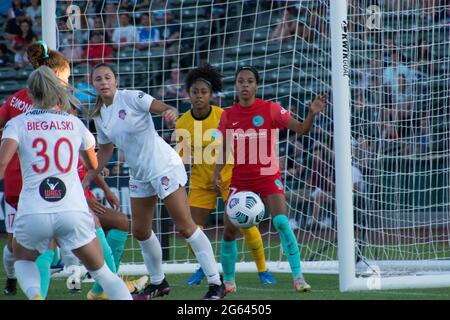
{"x": 195, "y": 133}
{"x": 248, "y": 125}
{"x": 123, "y": 118}
{"x": 16, "y": 104}
{"x": 49, "y": 140}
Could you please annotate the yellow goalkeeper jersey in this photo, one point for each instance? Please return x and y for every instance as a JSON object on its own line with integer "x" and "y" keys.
{"x": 199, "y": 136}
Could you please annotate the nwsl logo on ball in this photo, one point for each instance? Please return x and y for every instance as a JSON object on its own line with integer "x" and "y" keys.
{"x": 122, "y": 114}
{"x": 233, "y": 203}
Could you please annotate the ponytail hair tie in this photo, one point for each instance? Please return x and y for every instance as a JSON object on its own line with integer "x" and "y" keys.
{"x": 44, "y": 45}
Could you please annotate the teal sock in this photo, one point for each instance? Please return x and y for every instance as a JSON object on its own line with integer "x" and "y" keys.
{"x": 56, "y": 258}
{"x": 44, "y": 262}
{"x": 289, "y": 243}
{"x": 107, "y": 255}
{"x": 228, "y": 257}
{"x": 116, "y": 240}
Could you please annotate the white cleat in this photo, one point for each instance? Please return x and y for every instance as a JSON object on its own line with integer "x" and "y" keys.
{"x": 73, "y": 282}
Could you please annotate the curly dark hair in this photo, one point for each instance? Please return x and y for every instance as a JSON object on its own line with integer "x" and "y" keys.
{"x": 206, "y": 73}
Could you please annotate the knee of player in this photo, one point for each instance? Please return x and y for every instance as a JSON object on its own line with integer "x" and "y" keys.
{"x": 140, "y": 233}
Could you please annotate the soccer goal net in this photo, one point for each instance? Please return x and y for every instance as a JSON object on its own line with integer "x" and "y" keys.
{"x": 395, "y": 57}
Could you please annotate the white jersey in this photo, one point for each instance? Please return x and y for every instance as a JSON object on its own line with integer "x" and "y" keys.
{"x": 49, "y": 144}
{"x": 128, "y": 124}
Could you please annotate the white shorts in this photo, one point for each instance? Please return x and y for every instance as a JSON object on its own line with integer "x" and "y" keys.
{"x": 72, "y": 230}
{"x": 162, "y": 186}
{"x": 9, "y": 220}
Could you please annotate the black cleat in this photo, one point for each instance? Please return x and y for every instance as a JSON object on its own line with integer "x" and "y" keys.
{"x": 215, "y": 292}
{"x": 11, "y": 287}
{"x": 153, "y": 291}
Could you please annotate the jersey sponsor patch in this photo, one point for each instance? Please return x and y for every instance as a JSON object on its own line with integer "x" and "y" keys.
{"x": 258, "y": 121}
{"x": 52, "y": 189}
{"x": 279, "y": 184}
{"x": 122, "y": 114}
{"x": 165, "y": 181}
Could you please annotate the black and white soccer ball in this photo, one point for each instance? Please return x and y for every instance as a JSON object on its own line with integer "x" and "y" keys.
{"x": 245, "y": 209}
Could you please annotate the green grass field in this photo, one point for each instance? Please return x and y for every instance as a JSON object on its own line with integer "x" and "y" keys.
{"x": 325, "y": 287}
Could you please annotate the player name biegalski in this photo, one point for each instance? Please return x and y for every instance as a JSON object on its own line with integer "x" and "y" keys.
{"x": 49, "y": 125}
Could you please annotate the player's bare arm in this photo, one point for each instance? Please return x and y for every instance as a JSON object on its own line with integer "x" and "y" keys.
{"x": 7, "y": 150}
{"x": 103, "y": 155}
{"x": 170, "y": 114}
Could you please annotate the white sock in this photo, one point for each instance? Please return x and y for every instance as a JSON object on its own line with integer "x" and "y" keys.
{"x": 152, "y": 253}
{"x": 8, "y": 263}
{"x": 113, "y": 286}
{"x": 68, "y": 258}
{"x": 28, "y": 277}
{"x": 203, "y": 251}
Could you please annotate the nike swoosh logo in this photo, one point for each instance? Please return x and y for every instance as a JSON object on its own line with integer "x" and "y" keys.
{"x": 235, "y": 123}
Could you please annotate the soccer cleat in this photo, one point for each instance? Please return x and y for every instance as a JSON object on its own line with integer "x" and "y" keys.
{"x": 230, "y": 286}
{"x": 300, "y": 284}
{"x": 153, "y": 291}
{"x": 91, "y": 295}
{"x": 196, "y": 278}
{"x": 37, "y": 297}
{"x": 11, "y": 287}
{"x": 215, "y": 292}
{"x": 136, "y": 285}
{"x": 266, "y": 277}
{"x": 73, "y": 282}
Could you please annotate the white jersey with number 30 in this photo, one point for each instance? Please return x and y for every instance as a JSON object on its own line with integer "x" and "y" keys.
{"x": 49, "y": 145}
{"x": 128, "y": 124}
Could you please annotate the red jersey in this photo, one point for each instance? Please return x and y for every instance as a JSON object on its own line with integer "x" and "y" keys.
{"x": 98, "y": 52}
{"x": 254, "y": 132}
{"x": 16, "y": 104}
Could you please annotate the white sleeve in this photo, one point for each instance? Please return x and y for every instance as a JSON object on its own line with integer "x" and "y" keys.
{"x": 11, "y": 131}
{"x": 102, "y": 138}
{"x": 139, "y": 100}
{"x": 87, "y": 138}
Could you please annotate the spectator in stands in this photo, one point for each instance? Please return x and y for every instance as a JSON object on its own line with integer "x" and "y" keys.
{"x": 173, "y": 89}
{"x": 170, "y": 32}
{"x": 37, "y": 26}
{"x": 125, "y": 34}
{"x": 13, "y": 24}
{"x": 392, "y": 73}
{"x": 33, "y": 10}
{"x": 21, "y": 42}
{"x": 5, "y": 60}
{"x": 148, "y": 35}
{"x": 286, "y": 28}
{"x": 424, "y": 58}
{"x": 17, "y": 9}
{"x": 97, "y": 25}
{"x": 73, "y": 50}
{"x": 97, "y": 50}
{"x": 162, "y": 11}
{"x": 110, "y": 18}
{"x": 126, "y": 6}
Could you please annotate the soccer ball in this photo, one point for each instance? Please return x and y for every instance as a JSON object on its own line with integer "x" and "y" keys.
{"x": 245, "y": 209}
